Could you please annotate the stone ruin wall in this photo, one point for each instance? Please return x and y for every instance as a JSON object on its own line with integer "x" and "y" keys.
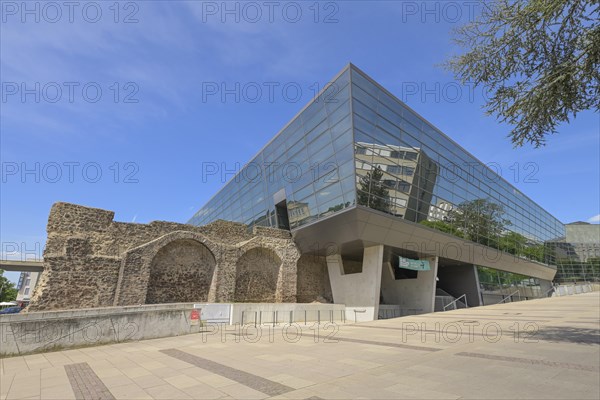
{"x": 92, "y": 261}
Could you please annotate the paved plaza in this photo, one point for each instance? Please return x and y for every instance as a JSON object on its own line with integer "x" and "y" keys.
{"x": 542, "y": 349}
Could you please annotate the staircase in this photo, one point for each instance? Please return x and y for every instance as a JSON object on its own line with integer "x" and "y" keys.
{"x": 443, "y": 298}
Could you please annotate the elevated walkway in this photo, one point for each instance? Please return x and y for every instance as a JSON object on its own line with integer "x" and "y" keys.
{"x": 25, "y": 266}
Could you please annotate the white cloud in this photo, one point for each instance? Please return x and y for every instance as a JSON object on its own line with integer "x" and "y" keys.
{"x": 595, "y": 219}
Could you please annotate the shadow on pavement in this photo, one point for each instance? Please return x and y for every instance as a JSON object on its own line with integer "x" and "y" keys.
{"x": 568, "y": 334}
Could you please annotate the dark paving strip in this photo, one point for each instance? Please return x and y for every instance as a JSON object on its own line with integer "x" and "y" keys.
{"x": 86, "y": 384}
{"x": 386, "y": 344}
{"x": 255, "y": 382}
{"x": 524, "y": 335}
{"x": 521, "y": 310}
{"x": 531, "y": 361}
{"x": 418, "y": 330}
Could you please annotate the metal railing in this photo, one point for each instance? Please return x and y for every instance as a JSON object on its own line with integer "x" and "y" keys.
{"x": 510, "y": 297}
{"x": 456, "y": 300}
{"x": 256, "y": 317}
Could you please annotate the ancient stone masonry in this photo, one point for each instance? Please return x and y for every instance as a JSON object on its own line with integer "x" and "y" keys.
{"x": 92, "y": 261}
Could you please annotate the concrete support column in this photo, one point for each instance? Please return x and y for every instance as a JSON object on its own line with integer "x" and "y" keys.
{"x": 430, "y": 283}
{"x": 358, "y": 291}
{"x": 545, "y": 287}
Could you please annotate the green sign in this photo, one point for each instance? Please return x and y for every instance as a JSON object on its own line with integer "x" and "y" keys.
{"x": 415, "y": 265}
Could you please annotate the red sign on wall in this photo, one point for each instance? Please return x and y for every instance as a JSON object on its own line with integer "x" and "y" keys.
{"x": 195, "y": 317}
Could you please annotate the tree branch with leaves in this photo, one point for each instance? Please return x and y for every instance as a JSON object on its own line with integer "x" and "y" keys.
{"x": 539, "y": 61}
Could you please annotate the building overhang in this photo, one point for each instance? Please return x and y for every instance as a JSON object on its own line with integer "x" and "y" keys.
{"x": 349, "y": 231}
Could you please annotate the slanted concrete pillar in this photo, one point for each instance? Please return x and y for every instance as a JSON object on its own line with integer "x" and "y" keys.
{"x": 545, "y": 287}
{"x": 412, "y": 296}
{"x": 358, "y": 291}
{"x": 430, "y": 283}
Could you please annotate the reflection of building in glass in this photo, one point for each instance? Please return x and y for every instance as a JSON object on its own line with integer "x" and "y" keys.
{"x": 407, "y": 173}
{"x": 298, "y": 212}
{"x": 358, "y": 171}
{"x": 439, "y": 211}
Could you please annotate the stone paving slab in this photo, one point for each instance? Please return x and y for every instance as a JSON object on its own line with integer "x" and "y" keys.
{"x": 540, "y": 349}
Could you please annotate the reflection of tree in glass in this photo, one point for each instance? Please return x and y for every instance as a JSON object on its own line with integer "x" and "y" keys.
{"x": 379, "y": 198}
{"x": 515, "y": 243}
{"x": 444, "y": 227}
{"x": 337, "y": 207}
{"x": 480, "y": 220}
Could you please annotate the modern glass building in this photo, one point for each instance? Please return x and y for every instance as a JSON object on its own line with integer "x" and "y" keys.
{"x": 357, "y": 168}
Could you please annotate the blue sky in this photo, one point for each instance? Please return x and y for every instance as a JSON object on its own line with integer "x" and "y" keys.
{"x": 155, "y": 123}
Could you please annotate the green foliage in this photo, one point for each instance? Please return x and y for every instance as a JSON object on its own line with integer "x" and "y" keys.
{"x": 480, "y": 221}
{"x": 494, "y": 279}
{"x": 443, "y": 226}
{"x": 338, "y": 207}
{"x": 379, "y": 198}
{"x": 535, "y": 252}
{"x": 539, "y": 60}
{"x": 512, "y": 243}
{"x": 8, "y": 292}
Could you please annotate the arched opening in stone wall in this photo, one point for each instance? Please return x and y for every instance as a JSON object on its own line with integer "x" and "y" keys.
{"x": 257, "y": 271}
{"x": 181, "y": 272}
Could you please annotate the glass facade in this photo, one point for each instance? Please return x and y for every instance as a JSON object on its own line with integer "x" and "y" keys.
{"x": 311, "y": 160}
{"x": 358, "y": 145}
{"x": 577, "y": 255}
{"x": 500, "y": 286}
{"x": 408, "y": 168}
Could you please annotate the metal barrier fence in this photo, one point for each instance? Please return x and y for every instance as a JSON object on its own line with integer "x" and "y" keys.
{"x": 276, "y": 317}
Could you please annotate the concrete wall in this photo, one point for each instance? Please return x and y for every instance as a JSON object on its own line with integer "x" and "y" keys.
{"x": 459, "y": 280}
{"x": 358, "y": 291}
{"x": 412, "y": 296}
{"x": 567, "y": 290}
{"x": 57, "y": 330}
{"x": 582, "y": 233}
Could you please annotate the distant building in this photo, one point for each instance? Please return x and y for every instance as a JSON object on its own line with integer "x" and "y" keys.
{"x": 26, "y": 284}
{"x": 577, "y": 254}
